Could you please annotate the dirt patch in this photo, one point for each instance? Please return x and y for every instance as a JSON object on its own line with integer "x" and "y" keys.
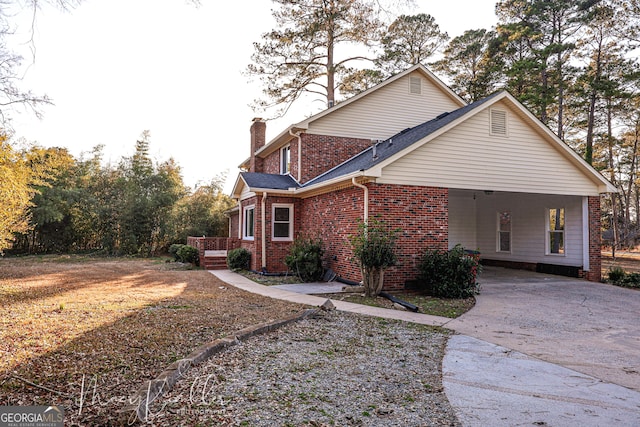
{"x": 86, "y": 333}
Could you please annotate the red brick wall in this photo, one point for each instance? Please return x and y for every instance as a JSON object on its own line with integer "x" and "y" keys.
{"x": 234, "y": 225}
{"x": 333, "y": 217}
{"x": 321, "y": 153}
{"x": 276, "y": 251}
{"x": 271, "y": 163}
{"x": 422, "y": 215}
{"x": 420, "y": 212}
{"x": 595, "y": 249}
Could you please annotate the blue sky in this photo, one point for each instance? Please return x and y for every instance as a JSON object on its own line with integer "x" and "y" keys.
{"x": 117, "y": 67}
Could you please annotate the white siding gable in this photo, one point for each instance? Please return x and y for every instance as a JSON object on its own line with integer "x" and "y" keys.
{"x": 470, "y": 156}
{"x": 387, "y": 111}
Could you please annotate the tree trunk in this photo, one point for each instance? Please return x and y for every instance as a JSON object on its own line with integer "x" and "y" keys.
{"x": 372, "y": 280}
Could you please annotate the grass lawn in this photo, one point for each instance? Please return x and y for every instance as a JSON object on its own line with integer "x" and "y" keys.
{"x": 85, "y": 333}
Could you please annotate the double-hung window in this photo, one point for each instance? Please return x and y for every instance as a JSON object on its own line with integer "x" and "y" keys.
{"x": 282, "y": 221}
{"x": 248, "y": 225}
{"x": 504, "y": 232}
{"x": 285, "y": 160}
{"x": 555, "y": 231}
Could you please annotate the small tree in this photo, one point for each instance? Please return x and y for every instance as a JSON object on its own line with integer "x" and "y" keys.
{"x": 374, "y": 249}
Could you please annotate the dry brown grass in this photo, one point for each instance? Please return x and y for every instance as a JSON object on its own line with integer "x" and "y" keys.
{"x": 109, "y": 323}
{"x": 628, "y": 261}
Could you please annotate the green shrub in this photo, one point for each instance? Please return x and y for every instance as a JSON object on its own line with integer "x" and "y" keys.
{"x": 632, "y": 280}
{"x": 187, "y": 253}
{"x": 173, "y": 250}
{"x": 449, "y": 274}
{"x": 305, "y": 258}
{"x": 619, "y": 277}
{"x": 238, "y": 259}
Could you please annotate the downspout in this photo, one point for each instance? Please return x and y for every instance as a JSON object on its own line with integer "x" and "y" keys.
{"x": 297, "y": 135}
{"x": 263, "y": 229}
{"x": 241, "y": 219}
{"x": 366, "y": 198}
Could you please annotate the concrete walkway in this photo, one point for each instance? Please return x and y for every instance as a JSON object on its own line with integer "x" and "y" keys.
{"x": 242, "y": 282}
{"x": 491, "y": 385}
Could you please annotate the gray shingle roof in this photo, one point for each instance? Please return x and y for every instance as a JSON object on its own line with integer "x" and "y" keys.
{"x": 268, "y": 180}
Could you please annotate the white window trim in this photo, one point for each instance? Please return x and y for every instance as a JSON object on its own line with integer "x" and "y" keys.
{"x": 244, "y": 222}
{"x": 273, "y": 222}
{"x": 506, "y": 122}
{"x": 547, "y": 235}
{"x": 283, "y": 170}
{"x": 498, "y": 231}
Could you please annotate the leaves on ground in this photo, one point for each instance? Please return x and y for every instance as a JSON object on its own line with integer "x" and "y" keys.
{"x": 87, "y": 334}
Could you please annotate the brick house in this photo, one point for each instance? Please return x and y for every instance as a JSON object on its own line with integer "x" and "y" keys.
{"x": 487, "y": 175}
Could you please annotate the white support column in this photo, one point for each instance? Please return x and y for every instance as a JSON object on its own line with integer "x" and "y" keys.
{"x": 585, "y": 233}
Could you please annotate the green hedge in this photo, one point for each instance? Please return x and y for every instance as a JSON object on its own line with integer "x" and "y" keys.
{"x": 449, "y": 274}
{"x": 238, "y": 259}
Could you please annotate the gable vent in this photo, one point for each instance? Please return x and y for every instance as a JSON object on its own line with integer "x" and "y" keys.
{"x": 498, "y": 122}
{"x": 415, "y": 85}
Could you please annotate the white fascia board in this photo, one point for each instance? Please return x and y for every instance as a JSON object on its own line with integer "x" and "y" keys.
{"x": 337, "y": 180}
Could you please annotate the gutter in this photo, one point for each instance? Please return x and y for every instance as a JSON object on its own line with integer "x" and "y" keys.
{"x": 366, "y": 198}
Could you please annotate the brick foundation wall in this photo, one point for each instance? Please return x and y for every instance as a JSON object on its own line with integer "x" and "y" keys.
{"x": 595, "y": 244}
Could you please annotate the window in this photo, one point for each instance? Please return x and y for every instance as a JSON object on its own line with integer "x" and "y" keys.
{"x": 504, "y": 232}
{"x": 498, "y": 119}
{"x": 282, "y": 222}
{"x": 285, "y": 160}
{"x": 248, "y": 226}
{"x": 555, "y": 231}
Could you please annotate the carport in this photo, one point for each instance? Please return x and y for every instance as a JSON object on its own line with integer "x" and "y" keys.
{"x": 538, "y": 232}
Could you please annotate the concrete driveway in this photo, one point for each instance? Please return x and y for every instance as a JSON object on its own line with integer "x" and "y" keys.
{"x": 588, "y": 327}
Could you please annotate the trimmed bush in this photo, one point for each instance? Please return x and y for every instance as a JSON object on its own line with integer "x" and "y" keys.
{"x": 305, "y": 258}
{"x": 449, "y": 274}
{"x": 187, "y": 253}
{"x": 238, "y": 259}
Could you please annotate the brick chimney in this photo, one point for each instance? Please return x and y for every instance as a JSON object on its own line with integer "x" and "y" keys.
{"x": 258, "y": 131}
